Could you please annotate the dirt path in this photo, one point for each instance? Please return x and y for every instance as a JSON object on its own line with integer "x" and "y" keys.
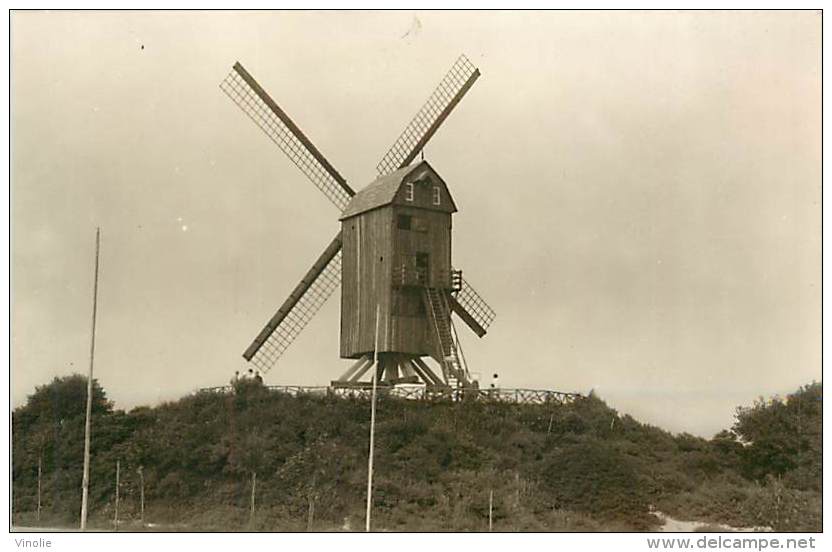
{"x": 671, "y": 525}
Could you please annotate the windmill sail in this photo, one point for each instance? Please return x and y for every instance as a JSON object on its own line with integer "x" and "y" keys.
{"x": 466, "y": 317}
{"x": 250, "y": 97}
{"x": 426, "y": 122}
{"x": 472, "y": 308}
{"x": 325, "y": 275}
{"x": 298, "y": 309}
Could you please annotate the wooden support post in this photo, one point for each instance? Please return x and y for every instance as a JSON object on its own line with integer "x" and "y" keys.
{"x": 386, "y": 370}
{"x": 253, "y": 490}
{"x": 551, "y": 419}
{"x": 434, "y": 379}
{"x": 310, "y": 512}
{"x": 490, "y": 510}
{"x": 421, "y": 373}
{"x": 379, "y": 368}
{"x": 391, "y": 369}
{"x": 363, "y": 370}
{"x": 118, "y": 474}
{"x": 395, "y": 367}
{"x": 141, "y": 494}
{"x": 406, "y": 368}
{"x": 351, "y": 371}
{"x": 40, "y": 455}
{"x": 310, "y": 516}
{"x": 516, "y": 491}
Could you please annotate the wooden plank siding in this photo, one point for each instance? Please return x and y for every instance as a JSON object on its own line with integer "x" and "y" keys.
{"x": 373, "y": 247}
{"x": 365, "y": 281}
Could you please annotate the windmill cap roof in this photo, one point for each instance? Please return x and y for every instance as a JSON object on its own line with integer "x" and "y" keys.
{"x": 382, "y": 191}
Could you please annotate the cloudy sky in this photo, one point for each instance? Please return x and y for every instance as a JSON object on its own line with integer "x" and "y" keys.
{"x": 639, "y": 195}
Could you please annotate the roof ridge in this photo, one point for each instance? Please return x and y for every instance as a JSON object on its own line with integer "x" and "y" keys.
{"x": 380, "y": 191}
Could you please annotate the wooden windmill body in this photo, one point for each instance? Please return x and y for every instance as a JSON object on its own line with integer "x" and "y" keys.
{"x": 392, "y": 257}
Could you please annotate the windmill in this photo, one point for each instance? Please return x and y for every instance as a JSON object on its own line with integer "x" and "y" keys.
{"x": 392, "y": 257}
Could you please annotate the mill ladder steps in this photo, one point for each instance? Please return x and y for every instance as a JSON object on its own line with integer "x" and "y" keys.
{"x": 439, "y": 313}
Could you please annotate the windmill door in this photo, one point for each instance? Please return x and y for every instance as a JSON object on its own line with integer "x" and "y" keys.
{"x": 422, "y": 268}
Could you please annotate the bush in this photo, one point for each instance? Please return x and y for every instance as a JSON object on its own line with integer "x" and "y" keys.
{"x": 783, "y": 509}
{"x": 594, "y": 478}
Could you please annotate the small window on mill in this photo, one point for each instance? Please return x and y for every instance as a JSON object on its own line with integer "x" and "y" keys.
{"x": 404, "y": 222}
{"x": 408, "y": 191}
{"x": 437, "y": 197}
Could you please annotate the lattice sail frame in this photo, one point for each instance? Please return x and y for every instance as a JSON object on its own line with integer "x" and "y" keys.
{"x": 476, "y": 306}
{"x": 301, "y": 313}
{"x": 260, "y": 108}
{"x": 421, "y": 128}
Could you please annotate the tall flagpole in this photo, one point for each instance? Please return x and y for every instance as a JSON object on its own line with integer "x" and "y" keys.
{"x": 372, "y": 428}
{"x": 87, "y": 425}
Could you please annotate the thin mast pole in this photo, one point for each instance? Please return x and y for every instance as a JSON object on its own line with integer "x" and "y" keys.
{"x": 372, "y": 427}
{"x": 87, "y": 426}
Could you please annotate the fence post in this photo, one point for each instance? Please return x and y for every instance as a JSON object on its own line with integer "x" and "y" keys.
{"x": 141, "y": 494}
{"x": 40, "y": 458}
{"x": 310, "y": 513}
{"x": 118, "y": 474}
{"x": 490, "y": 510}
{"x": 253, "y": 489}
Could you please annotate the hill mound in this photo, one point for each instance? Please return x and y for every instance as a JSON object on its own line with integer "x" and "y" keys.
{"x": 580, "y": 466}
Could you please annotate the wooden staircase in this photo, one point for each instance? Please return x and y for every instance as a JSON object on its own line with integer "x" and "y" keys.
{"x": 439, "y": 315}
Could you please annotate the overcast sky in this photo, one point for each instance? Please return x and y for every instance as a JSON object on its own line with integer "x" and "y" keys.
{"x": 638, "y": 193}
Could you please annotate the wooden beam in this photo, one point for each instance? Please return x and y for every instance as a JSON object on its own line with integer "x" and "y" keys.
{"x": 391, "y": 369}
{"x": 290, "y": 124}
{"x": 355, "y": 367}
{"x": 466, "y": 317}
{"x": 420, "y": 145}
{"x": 419, "y": 372}
{"x": 431, "y": 376}
{"x": 409, "y": 379}
{"x": 407, "y": 368}
{"x": 361, "y": 371}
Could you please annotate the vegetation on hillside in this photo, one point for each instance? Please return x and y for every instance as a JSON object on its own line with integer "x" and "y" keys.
{"x": 579, "y": 467}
